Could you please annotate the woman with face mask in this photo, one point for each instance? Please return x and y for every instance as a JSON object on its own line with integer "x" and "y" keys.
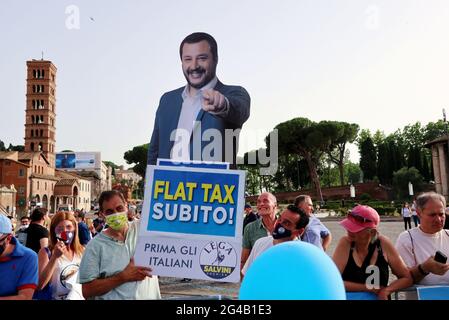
{"x": 59, "y": 263}
{"x": 364, "y": 257}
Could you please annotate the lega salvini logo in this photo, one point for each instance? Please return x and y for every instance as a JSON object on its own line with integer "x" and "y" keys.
{"x": 218, "y": 259}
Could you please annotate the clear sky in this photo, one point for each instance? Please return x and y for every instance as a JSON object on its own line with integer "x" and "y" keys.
{"x": 380, "y": 64}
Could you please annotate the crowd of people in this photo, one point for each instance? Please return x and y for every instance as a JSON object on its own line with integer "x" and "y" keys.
{"x": 364, "y": 257}
{"x": 70, "y": 256}
{"x": 75, "y": 257}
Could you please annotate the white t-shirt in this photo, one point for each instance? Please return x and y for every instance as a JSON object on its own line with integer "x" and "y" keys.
{"x": 260, "y": 246}
{"x": 406, "y": 212}
{"x": 425, "y": 245}
{"x": 191, "y": 106}
{"x": 65, "y": 274}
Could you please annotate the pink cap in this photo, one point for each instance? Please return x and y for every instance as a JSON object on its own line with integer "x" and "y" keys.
{"x": 361, "y": 217}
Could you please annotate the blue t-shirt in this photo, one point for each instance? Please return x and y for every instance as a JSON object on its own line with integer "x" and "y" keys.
{"x": 314, "y": 232}
{"x": 84, "y": 233}
{"x": 18, "y": 270}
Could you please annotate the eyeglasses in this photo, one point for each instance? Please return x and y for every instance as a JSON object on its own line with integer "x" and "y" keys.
{"x": 358, "y": 218}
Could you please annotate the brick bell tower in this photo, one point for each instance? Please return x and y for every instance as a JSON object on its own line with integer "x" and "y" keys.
{"x": 40, "y": 110}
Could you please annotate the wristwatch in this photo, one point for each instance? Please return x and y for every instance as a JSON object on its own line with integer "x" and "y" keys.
{"x": 422, "y": 270}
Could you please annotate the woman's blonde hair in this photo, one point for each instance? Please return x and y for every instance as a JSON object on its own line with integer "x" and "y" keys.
{"x": 57, "y": 218}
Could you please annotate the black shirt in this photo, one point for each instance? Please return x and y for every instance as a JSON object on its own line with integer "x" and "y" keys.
{"x": 354, "y": 273}
{"x": 35, "y": 233}
{"x": 249, "y": 218}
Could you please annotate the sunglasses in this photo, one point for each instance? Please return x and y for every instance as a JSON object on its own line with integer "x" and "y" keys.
{"x": 358, "y": 218}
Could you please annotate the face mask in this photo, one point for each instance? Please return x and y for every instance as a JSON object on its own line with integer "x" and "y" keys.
{"x": 280, "y": 232}
{"x": 65, "y": 236}
{"x": 117, "y": 221}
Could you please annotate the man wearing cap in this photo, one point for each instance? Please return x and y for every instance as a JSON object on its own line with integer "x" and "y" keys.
{"x": 316, "y": 232}
{"x": 290, "y": 226}
{"x": 250, "y": 216}
{"x": 266, "y": 207}
{"x": 364, "y": 257}
{"x": 18, "y": 266}
{"x": 418, "y": 245}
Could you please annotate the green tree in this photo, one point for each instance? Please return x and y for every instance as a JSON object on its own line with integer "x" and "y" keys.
{"x": 19, "y": 148}
{"x": 253, "y": 181}
{"x": 306, "y": 139}
{"x": 138, "y": 155}
{"x": 434, "y": 130}
{"x": 353, "y": 173}
{"x": 384, "y": 169}
{"x": 341, "y": 133}
{"x": 414, "y": 158}
{"x": 368, "y": 158}
{"x": 111, "y": 164}
{"x": 2, "y": 146}
{"x": 425, "y": 168}
{"x": 378, "y": 138}
{"x": 402, "y": 177}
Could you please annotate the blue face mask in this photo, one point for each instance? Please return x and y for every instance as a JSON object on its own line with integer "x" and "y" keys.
{"x": 280, "y": 232}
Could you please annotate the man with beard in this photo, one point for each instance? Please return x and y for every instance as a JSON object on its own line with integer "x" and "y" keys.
{"x": 290, "y": 226}
{"x": 188, "y": 119}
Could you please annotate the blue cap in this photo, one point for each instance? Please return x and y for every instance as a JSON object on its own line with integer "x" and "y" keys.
{"x": 5, "y": 225}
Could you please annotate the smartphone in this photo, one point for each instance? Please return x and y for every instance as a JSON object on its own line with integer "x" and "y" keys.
{"x": 440, "y": 257}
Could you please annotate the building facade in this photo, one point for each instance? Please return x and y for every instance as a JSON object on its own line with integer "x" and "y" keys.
{"x": 32, "y": 172}
{"x": 8, "y": 200}
{"x": 440, "y": 156}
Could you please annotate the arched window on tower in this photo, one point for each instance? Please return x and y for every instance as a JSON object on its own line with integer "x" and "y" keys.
{"x": 32, "y": 146}
{"x": 42, "y": 119}
{"x": 32, "y": 133}
{"x": 40, "y": 146}
{"x": 41, "y": 132}
{"x": 32, "y": 119}
{"x": 43, "y": 74}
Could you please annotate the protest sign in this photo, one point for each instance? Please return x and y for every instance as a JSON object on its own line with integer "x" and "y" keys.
{"x": 191, "y": 223}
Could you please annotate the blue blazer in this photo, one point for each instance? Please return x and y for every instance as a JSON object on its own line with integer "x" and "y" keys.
{"x": 169, "y": 110}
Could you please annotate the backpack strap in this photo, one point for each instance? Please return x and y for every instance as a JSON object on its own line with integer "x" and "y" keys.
{"x": 413, "y": 246}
